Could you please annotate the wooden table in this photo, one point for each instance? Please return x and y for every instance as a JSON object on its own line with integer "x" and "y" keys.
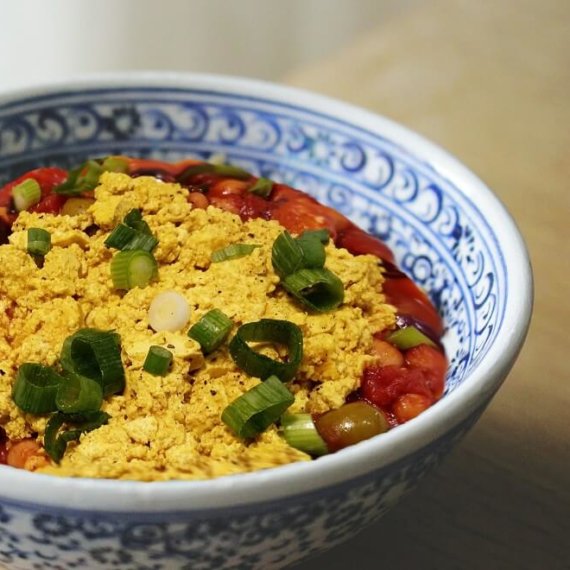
{"x": 489, "y": 81}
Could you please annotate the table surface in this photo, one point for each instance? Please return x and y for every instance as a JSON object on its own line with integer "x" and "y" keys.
{"x": 490, "y": 82}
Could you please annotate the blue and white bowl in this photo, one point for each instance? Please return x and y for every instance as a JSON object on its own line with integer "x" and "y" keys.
{"x": 448, "y": 231}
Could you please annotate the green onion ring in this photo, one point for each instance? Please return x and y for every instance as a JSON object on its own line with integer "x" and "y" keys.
{"x": 55, "y": 445}
{"x": 35, "y": 388}
{"x": 78, "y": 394}
{"x": 253, "y": 412}
{"x": 273, "y": 331}
{"x": 319, "y": 289}
{"x": 95, "y": 354}
{"x": 211, "y": 330}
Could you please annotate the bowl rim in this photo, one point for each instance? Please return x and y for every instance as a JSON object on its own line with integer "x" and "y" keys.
{"x": 107, "y": 495}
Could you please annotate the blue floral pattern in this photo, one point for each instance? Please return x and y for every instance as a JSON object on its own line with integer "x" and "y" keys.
{"x": 439, "y": 237}
{"x": 267, "y": 536}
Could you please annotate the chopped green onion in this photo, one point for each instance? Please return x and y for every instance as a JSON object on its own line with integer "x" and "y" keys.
{"x": 78, "y": 394}
{"x": 286, "y": 255}
{"x": 26, "y": 194}
{"x": 55, "y": 445}
{"x": 319, "y": 289}
{"x": 253, "y": 412}
{"x": 126, "y": 238}
{"x": 168, "y": 311}
{"x": 408, "y": 337}
{"x": 39, "y": 241}
{"x": 268, "y": 331}
{"x": 120, "y": 236}
{"x": 142, "y": 241}
{"x": 194, "y": 170}
{"x": 158, "y": 360}
{"x": 289, "y": 255}
{"x": 300, "y": 432}
{"x": 115, "y": 164}
{"x": 322, "y": 235}
{"x": 220, "y": 169}
{"x": 133, "y": 233}
{"x": 95, "y": 354}
{"x": 133, "y": 268}
{"x": 35, "y": 388}
{"x": 81, "y": 179}
{"x": 262, "y": 187}
{"x": 231, "y": 171}
{"x": 233, "y": 251}
{"x": 211, "y": 330}
{"x": 313, "y": 251}
{"x": 135, "y": 220}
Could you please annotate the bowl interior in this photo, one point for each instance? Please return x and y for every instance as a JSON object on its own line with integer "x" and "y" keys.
{"x": 440, "y": 237}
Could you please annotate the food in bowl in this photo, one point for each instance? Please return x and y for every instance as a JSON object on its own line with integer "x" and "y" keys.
{"x": 133, "y": 291}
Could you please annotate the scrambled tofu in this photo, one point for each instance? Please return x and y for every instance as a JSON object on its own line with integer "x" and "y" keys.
{"x": 169, "y": 427}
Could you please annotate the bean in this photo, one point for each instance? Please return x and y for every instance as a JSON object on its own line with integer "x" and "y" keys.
{"x": 408, "y": 406}
{"x": 350, "y": 424}
{"x": 21, "y": 451}
{"x": 387, "y": 354}
{"x": 198, "y": 200}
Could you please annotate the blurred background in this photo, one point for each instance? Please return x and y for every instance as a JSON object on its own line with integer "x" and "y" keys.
{"x": 489, "y": 81}
{"x": 46, "y": 39}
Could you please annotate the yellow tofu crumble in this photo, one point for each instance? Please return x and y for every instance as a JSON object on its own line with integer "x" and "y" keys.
{"x": 170, "y": 427}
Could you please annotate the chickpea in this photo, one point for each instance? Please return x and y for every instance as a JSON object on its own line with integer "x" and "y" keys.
{"x": 198, "y": 200}
{"x": 387, "y": 354}
{"x": 24, "y": 453}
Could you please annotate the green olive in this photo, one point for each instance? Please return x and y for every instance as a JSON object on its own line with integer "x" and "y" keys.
{"x": 76, "y": 206}
{"x": 350, "y": 424}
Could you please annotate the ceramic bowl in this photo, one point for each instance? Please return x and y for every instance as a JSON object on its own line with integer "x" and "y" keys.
{"x": 449, "y": 232}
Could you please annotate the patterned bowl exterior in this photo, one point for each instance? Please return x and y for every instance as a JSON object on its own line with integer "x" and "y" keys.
{"x": 440, "y": 236}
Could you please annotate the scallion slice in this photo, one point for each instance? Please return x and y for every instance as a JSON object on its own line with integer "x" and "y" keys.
{"x": 262, "y": 187}
{"x": 319, "y": 289}
{"x": 135, "y": 220}
{"x": 300, "y": 432}
{"x": 39, "y": 241}
{"x": 78, "y": 394}
{"x": 313, "y": 251}
{"x": 56, "y": 445}
{"x": 286, "y": 255}
{"x": 26, "y": 194}
{"x": 253, "y": 412}
{"x": 142, "y": 241}
{"x": 95, "y": 354}
{"x": 133, "y": 268}
{"x": 219, "y": 169}
{"x": 231, "y": 171}
{"x": 232, "y": 251}
{"x": 211, "y": 330}
{"x": 133, "y": 233}
{"x": 35, "y": 388}
{"x": 115, "y": 164}
{"x": 81, "y": 179}
{"x": 158, "y": 361}
{"x": 408, "y": 337}
{"x": 290, "y": 254}
{"x": 168, "y": 311}
{"x": 322, "y": 235}
{"x": 268, "y": 331}
{"x": 120, "y": 236}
